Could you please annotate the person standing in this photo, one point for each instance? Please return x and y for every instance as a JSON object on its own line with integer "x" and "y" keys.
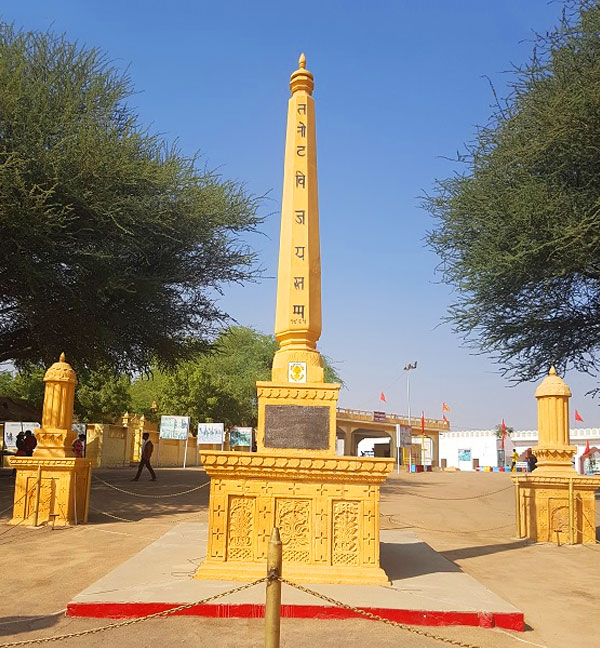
{"x": 515, "y": 458}
{"x": 20, "y": 443}
{"x": 146, "y": 453}
{"x": 78, "y": 446}
{"x": 30, "y": 443}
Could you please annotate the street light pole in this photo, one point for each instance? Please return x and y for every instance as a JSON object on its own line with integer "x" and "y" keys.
{"x": 407, "y": 368}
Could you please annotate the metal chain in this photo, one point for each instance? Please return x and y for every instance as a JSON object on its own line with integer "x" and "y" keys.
{"x": 376, "y": 617}
{"x": 415, "y": 526}
{"x": 123, "y": 624}
{"x": 456, "y": 499}
{"x": 122, "y": 490}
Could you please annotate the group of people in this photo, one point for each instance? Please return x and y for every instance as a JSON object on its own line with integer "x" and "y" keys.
{"x": 26, "y": 444}
{"x": 528, "y": 457}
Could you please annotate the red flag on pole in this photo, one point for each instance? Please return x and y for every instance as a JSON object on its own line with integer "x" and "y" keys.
{"x": 423, "y": 422}
{"x": 587, "y": 448}
{"x": 382, "y": 397}
{"x": 445, "y": 419}
{"x": 445, "y": 408}
{"x": 578, "y": 417}
{"x": 503, "y": 428}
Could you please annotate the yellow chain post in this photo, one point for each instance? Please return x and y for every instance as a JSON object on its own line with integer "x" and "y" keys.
{"x": 273, "y": 598}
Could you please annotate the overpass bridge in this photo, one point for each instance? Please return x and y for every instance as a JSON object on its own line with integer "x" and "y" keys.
{"x": 352, "y": 426}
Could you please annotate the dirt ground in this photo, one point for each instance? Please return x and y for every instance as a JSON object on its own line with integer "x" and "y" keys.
{"x": 557, "y": 588}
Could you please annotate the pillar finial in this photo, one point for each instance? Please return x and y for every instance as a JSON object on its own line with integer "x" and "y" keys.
{"x": 552, "y": 371}
{"x": 62, "y": 357}
{"x": 302, "y": 79}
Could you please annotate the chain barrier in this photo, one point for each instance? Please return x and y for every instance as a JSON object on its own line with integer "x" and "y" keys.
{"x": 457, "y": 499}
{"x": 129, "y": 622}
{"x": 376, "y": 617}
{"x": 415, "y": 526}
{"x": 145, "y": 495}
{"x": 20, "y": 498}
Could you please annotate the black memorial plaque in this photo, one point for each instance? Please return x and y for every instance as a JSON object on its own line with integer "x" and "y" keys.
{"x": 297, "y": 426}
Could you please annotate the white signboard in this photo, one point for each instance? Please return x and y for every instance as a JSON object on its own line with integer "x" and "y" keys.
{"x": 240, "y": 436}
{"x": 403, "y": 436}
{"x": 174, "y": 427}
{"x": 211, "y": 433}
{"x": 12, "y": 428}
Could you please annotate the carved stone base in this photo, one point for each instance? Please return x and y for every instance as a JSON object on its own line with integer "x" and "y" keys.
{"x": 326, "y": 509}
{"x": 557, "y": 508}
{"x": 55, "y": 491}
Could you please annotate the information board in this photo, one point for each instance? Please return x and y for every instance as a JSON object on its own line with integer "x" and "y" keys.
{"x": 213, "y": 433}
{"x": 240, "y": 436}
{"x": 403, "y": 436}
{"x": 174, "y": 427}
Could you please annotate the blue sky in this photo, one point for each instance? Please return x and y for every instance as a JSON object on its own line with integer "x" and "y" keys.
{"x": 398, "y": 85}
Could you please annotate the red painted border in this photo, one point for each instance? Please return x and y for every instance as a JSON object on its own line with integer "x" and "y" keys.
{"x": 508, "y": 620}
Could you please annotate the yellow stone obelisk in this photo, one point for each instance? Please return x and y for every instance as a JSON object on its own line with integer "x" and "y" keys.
{"x": 554, "y": 503}
{"x": 52, "y": 485}
{"x": 325, "y": 507}
{"x": 298, "y": 310}
{"x": 297, "y": 373}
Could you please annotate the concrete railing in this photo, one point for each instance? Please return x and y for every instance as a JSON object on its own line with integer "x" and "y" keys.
{"x": 345, "y": 413}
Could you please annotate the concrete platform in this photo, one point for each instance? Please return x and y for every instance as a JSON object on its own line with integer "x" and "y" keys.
{"x": 426, "y": 588}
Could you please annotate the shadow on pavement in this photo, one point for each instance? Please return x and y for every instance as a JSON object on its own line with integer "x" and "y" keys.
{"x": 484, "y": 550}
{"x": 406, "y": 560}
{"x": 13, "y": 625}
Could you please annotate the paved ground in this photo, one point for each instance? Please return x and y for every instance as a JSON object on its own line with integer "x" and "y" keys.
{"x": 556, "y": 587}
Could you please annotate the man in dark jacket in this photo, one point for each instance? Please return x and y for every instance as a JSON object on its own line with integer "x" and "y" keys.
{"x": 146, "y": 453}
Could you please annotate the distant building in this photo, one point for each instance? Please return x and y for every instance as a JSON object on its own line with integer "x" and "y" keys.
{"x": 468, "y": 449}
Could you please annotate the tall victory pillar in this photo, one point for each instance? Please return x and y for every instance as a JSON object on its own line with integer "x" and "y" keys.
{"x": 296, "y": 409}
{"x": 326, "y": 507}
{"x": 298, "y": 311}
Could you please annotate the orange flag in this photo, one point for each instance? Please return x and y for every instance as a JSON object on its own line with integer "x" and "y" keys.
{"x": 445, "y": 408}
{"x": 445, "y": 419}
{"x": 382, "y": 397}
{"x": 578, "y": 417}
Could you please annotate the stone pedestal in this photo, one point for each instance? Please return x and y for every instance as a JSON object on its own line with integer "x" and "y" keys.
{"x": 554, "y": 503}
{"x": 53, "y": 486}
{"x": 557, "y": 509}
{"x": 326, "y": 509}
{"x": 55, "y": 491}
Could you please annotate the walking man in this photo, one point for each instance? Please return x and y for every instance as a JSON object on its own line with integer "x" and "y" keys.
{"x": 147, "y": 448}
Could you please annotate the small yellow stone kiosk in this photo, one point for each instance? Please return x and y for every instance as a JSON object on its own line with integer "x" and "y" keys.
{"x": 53, "y": 486}
{"x": 554, "y": 503}
{"x": 326, "y": 507}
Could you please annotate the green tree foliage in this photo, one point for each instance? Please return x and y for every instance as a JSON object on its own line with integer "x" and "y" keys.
{"x": 114, "y": 243}
{"x": 101, "y": 396}
{"x": 218, "y": 386}
{"x": 518, "y": 233}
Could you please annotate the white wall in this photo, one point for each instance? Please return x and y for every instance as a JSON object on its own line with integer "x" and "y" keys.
{"x": 483, "y": 445}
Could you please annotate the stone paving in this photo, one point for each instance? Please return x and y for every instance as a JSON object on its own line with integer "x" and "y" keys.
{"x": 556, "y": 587}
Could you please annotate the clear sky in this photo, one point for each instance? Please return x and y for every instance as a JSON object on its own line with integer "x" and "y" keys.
{"x": 398, "y": 85}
